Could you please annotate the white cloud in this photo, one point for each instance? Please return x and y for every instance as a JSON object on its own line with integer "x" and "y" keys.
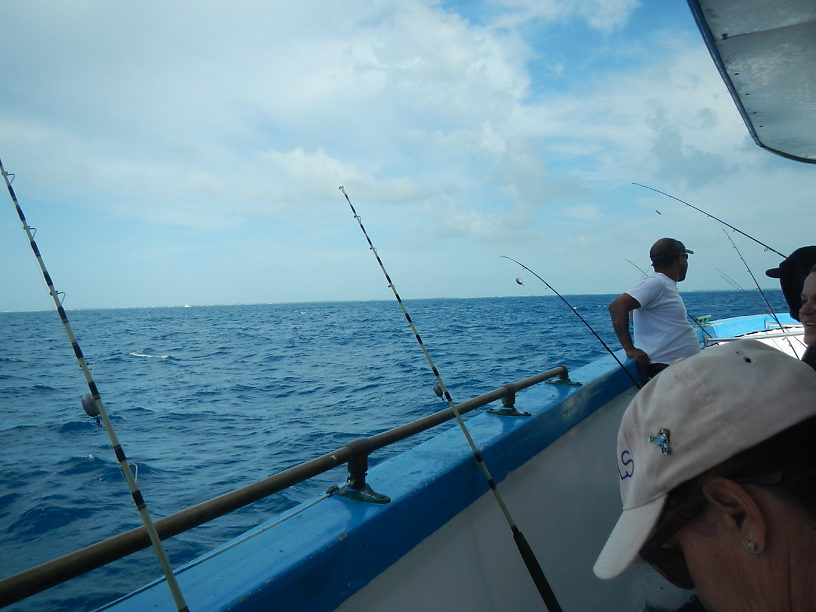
{"x": 601, "y": 15}
{"x": 298, "y": 177}
{"x": 488, "y": 128}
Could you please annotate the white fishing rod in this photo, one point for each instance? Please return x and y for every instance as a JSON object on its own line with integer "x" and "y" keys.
{"x": 761, "y": 292}
{"x": 533, "y": 566}
{"x": 736, "y": 286}
{"x": 96, "y": 407}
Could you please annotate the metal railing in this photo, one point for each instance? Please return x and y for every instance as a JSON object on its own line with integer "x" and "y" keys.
{"x": 761, "y": 335}
{"x": 355, "y": 454}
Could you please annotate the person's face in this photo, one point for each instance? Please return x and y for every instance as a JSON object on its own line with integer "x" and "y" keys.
{"x": 807, "y": 313}
{"x": 714, "y": 565}
{"x": 683, "y": 259}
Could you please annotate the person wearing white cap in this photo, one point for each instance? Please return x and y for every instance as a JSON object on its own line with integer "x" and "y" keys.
{"x": 717, "y": 465}
{"x": 662, "y": 330}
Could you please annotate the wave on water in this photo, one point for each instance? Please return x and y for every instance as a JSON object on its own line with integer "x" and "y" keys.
{"x": 149, "y": 356}
{"x": 44, "y": 518}
{"x": 76, "y": 427}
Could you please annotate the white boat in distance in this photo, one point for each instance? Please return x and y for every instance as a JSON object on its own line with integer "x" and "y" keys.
{"x": 441, "y": 542}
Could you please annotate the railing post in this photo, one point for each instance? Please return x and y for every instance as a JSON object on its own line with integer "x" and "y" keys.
{"x": 509, "y": 400}
{"x": 508, "y": 403}
{"x": 356, "y": 486}
{"x": 563, "y": 379}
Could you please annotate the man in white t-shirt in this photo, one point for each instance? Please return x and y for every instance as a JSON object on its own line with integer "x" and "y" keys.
{"x": 662, "y": 329}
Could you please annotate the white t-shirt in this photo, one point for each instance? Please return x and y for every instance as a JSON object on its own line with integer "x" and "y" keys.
{"x": 662, "y": 328}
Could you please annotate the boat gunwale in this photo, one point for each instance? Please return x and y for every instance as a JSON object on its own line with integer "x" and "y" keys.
{"x": 337, "y": 547}
{"x": 355, "y": 454}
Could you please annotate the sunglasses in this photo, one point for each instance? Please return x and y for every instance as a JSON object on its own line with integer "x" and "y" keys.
{"x": 665, "y": 557}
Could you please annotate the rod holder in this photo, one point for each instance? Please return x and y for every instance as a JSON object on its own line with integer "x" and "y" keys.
{"x": 508, "y": 404}
{"x": 563, "y": 379}
{"x": 356, "y": 487}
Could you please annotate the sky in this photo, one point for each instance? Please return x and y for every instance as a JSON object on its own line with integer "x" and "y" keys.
{"x": 191, "y": 152}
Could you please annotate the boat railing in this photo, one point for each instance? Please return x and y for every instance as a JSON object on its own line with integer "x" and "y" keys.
{"x": 355, "y": 454}
{"x": 762, "y": 335}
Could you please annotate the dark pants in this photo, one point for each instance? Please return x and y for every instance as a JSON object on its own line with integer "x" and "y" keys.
{"x": 655, "y": 368}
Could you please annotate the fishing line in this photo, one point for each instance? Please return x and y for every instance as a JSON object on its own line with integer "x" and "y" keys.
{"x": 688, "y": 314}
{"x": 583, "y": 320}
{"x": 761, "y": 292}
{"x": 526, "y": 552}
{"x": 668, "y": 195}
{"x": 99, "y": 408}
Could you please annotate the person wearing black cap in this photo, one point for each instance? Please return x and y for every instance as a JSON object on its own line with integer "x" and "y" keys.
{"x": 662, "y": 329}
{"x": 791, "y": 274}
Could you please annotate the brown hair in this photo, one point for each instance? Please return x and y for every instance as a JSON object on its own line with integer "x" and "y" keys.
{"x": 785, "y": 464}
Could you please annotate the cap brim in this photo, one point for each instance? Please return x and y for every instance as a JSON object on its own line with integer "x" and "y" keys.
{"x": 689, "y": 251}
{"x": 627, "y": 538}
{"x": 773, "y": 273}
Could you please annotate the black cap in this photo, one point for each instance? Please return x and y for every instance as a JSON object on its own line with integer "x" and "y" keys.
{"x": 804, "y": 257}
{"x": 666, "y": 248}
{"x": 791, "y": 273}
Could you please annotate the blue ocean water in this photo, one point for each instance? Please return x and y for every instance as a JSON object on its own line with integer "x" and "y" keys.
{"x": 208, "y": 399}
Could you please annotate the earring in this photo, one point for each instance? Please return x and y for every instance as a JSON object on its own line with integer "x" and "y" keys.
{"x": 751, "y": 546}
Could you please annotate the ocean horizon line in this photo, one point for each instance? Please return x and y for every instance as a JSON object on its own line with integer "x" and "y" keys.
{"x": 357, "y": 301}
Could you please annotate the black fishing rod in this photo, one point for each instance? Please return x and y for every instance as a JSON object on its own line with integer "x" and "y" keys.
{"x": 761, "y": 292}
{"x": 577, "y": 314}
{"x": 692, "y": 318}
{"x": 668, "y": 195}
{"x": 95, "y": 407}
{"x": 527, "y": 554}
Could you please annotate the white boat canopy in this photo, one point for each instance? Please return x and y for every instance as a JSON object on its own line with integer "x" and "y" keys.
{"x": 766, "y": 54}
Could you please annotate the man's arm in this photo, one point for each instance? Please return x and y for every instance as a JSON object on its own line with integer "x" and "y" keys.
{"x": 619, "y": 310}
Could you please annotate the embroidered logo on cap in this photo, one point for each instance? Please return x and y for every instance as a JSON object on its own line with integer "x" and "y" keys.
{"x": 662, "y": 440}
{"x": 628, "y": 465}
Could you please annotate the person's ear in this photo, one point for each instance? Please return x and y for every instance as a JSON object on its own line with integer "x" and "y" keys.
{"x": 737, "y": 511}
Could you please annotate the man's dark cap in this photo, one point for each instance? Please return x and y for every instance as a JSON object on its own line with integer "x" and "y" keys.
{"x": 791, "y": 274}
{"x": 666, "y": 248}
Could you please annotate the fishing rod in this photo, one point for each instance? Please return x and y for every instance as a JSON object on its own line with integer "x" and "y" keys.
{"x": 668, "y": 195}
{"x": 642, "y": 271}
{"x": 736, "y": 286}
{"x": 577, "y": 314}
{"x": 527, "y": 554}
{"x": 693, "y": 318}
{"x": 761, "y": 292}
{"x": 95, "y": 407}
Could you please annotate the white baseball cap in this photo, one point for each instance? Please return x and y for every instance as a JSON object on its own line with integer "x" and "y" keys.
{"x": 693, "y": 416}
